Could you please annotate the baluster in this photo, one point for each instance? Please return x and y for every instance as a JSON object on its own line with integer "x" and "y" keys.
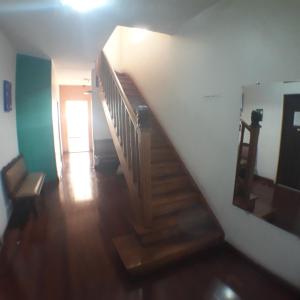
{"x": 106, "y": 93}
{"x": 123, "y": 126}
{"x": 120, "y": 101}
{"x": 129, "y": 140}
{"x": 126, "y": 117}
{"x": 137, "y": 160}
{"x": 111, "y": 99}
{"x": 120, "y": 120}
{"x": 240, "y": 148}
{"x": 144, "y": 150}
{"x": 107, "y": 78}
{"x": 134, "y": 152}
{"x": 251, "y": 160}
{"x": 115, "y": 105}
{"x": 114, "y": 92}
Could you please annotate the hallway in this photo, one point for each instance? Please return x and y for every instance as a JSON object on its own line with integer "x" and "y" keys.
{"x": 67, "y": 252}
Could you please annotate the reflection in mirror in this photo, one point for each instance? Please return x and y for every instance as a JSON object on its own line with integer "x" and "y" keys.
{"x": 267, "y": 180}
{"x": 296, "y": 118}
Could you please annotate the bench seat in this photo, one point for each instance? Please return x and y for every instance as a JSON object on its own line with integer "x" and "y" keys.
{"x": 23, "y": 188}
{"x": 31, "y": 186}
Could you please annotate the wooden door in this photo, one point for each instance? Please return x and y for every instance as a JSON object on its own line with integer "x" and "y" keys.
{"x": 289, "y": 160}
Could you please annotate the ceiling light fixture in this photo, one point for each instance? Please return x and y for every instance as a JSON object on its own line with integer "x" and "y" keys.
{"x": 83, "y": 5}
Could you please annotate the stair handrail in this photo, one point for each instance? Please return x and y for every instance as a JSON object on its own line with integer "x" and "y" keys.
{"x": 138, "y": 114}
{"x": 140, "y": 119}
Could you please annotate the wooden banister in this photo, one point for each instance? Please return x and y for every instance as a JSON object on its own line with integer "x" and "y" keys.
{"x": 245, "y": 125}
{"x": 109, "y": 72}
{"x": 130, "y": 126}
{"x": 243, "y": 185}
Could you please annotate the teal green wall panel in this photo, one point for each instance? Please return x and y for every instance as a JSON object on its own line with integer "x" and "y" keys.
{"x": 34, "y": 114}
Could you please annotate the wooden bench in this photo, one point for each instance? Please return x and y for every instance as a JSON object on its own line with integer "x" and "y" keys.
{"x": 22, "y": 187}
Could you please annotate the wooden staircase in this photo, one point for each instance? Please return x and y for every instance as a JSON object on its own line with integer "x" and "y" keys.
{"x": 170, "y": 216}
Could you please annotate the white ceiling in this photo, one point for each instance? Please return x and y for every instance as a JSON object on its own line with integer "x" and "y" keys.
{"x": 47, "y": 29}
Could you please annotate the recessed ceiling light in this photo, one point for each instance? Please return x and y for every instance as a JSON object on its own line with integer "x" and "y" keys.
{"x": 83, "y": 5}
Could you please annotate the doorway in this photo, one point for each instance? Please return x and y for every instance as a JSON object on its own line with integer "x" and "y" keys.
{"x": 77, "y": 119}
{"x": 289, "y": 159}
{"x": 76, "y": 116}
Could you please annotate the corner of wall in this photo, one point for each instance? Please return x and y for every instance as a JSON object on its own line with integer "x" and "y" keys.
{"x": 34, "y": 114}
{"x": 9, "y": 149}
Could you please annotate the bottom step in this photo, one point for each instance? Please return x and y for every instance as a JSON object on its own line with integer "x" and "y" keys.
{"x": 139, "y": 260}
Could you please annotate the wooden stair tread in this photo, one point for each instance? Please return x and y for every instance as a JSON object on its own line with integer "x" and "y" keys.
{"x": 197, "y": 215}
{"x": 132, "y": 93}
{"x": 138, "y": 259}
{"x": 157, "y": 134}
{"x": 156, "y": 143}
{"x": 169, "y": 184}
{"x": 162, "y": 154}
{"x": 186, "y": 221}
{"x": 167, "y": 209}
{"x": 169, "y": 168}
{"x": 174, "y": 202}
{"x": 174, "y": 197}
{"x": 125, "y": 81}
{"x": 129, "y": 86}
{"x": 159, "y": 145}
{"x": 122, "y": 75}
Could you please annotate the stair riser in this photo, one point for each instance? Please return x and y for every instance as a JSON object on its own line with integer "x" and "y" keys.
{"x": 177, "y": 231}
{"x": 155, "y": 237}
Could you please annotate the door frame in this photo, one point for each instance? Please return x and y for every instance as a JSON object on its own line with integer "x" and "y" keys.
{"x": 280, "y": 157}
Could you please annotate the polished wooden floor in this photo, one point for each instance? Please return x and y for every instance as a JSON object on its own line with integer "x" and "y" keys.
{"x": 67, "y": 253}
{"x": 278, "y": 205}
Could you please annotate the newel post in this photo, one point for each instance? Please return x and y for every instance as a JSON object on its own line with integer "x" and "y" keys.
{"x": 252, "y": 155}
{"x": 144, "y": 149}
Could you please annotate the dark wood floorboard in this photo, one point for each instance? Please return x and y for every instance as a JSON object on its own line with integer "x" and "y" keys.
{"x": 67, "y": 253}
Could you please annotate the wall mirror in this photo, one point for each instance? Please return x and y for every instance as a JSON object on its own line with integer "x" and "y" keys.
{"x": 267, "y": 181}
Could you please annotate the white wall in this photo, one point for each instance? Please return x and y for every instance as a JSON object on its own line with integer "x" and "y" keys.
{"x": 100, "y": 127}
{"x": 56, "y": 121}
{"x": 193, "y": 82}
{"x": 269, "y": 97}
{"x": 8, "y": 131}
{"x": 112, "y": 48}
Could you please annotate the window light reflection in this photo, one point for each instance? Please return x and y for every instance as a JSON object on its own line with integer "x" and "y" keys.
{"x": 80, "y": 177}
